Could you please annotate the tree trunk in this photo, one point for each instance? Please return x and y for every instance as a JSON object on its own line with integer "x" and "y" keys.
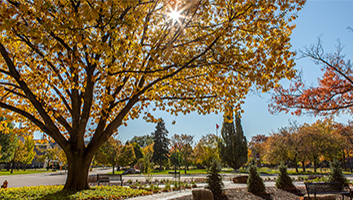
{"x": 160, "y": 165}
{"x": 78, "y": 167}
{"x": 113, "y": 168}
{"x": 344, "y": 160}
{"x": 12, "y": 166}
{"x": 303, "y": 165}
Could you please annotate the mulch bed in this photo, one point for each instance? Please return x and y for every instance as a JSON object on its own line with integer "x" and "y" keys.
{"x": 272, "y": 194}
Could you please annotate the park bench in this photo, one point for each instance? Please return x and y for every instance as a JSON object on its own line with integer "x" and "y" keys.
{"x": 327, "y": 188}
{"x": 172, "y": 172}
{"x": 107, "y": 178}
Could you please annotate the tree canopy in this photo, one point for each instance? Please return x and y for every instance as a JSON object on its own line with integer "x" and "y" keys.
{"x": 333, "y": 93}
{"x": 79, "y": 69}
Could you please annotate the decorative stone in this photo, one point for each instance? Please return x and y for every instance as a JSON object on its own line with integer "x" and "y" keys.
{"x": 202, "y": 194}
{"x": 240, "y": 179}
{"x": 320, "y": 197}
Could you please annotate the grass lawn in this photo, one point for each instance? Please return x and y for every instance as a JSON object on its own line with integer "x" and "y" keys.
{"x": 56, "y": 192}
{"x": 3, "y": 172}
{"x": 262, "y": 170}
{"x": 163, "y": 172}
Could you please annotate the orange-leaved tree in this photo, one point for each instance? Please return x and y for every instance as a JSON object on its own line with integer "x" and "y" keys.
{"x": 332, "y": 95}
{"x": 79, "y": 69}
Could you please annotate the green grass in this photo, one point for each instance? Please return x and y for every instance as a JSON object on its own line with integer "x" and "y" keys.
{"x": 3, "y": 172}
{"x": 56, "y": 192}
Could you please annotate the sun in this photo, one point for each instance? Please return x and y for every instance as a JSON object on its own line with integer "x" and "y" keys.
{"x": 175, "y": 14}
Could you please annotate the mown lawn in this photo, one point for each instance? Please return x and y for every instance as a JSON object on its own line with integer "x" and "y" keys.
{"x": 163, "y": 172}
{"x": 262, "y": 170}
{"x": 3, "y": 172}
{"x": 56, "y": 192}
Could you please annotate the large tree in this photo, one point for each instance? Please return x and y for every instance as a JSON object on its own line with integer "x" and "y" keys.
{"x": 183, "y": 143}
{"x": 78, "y": 69}
{"x": 108, "y": 153}
{"x": 161, "y": 143}
{"x": 142, "y": 141}
{"x": 332, "y": 95}
{"x": 257, "y": 147}
{"x": 233, "y": 148}
{"x": 206, "y": 150}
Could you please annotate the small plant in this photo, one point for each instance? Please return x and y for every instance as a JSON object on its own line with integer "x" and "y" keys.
{"x": 156, "y": 189}
{"x": 284, "y": 181}
{"x": 214, "y": 180}
{"x": 193, "y": 184}
{"x": 255, "y": 182}
{"x": 187, "y": 186}
{"x": 137, "y": 181}
{"x": 156, "y": 180}
{"x": 176, "y": 185}
{"x": 129, "y": 181}
{"x": 336, "y": 174}
{"x": 166, "y": 187}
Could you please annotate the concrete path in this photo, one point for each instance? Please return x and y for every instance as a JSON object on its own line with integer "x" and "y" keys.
{"x": 50, "y": 178}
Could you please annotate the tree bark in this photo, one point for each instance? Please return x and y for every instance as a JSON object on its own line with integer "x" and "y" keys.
{"x": 77, "y": 177}
{"x": 303, "y": 165}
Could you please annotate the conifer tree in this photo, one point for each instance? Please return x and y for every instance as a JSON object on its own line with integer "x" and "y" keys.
{"x": 160, "y": 147}
{"x": 255, "y": 182}
{"x": 284, "y": 181}
{"x": 233, "y": 146}
{"x": 214, "y": 180}
{"x": 336, "y": 174}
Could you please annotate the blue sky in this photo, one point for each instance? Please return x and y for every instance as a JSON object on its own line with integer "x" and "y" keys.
{"x": 328, "y": 19}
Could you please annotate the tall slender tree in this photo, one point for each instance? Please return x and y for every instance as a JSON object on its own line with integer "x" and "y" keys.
{"x": 233, "y": 146}
{"x": 160, "y": 147}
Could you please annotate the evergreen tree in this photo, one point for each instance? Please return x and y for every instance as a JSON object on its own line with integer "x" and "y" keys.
{"x": 284, "y": 181}
{"x": 214, "y": 180}
{"x": 160, "y": 147}
{"x": 255, "y": 182}
{"x": 233, "y": 146}
{"x": 336, "y": 174}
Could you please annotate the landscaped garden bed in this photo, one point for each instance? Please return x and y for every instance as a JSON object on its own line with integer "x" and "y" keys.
{"x": 56, "y": 192}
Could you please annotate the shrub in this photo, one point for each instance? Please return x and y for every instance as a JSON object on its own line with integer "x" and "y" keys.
{"x": 284, "y": 181}
{"x": 214, "y": 180}
{"x": 129, "y": 181}
{"x": 255, "y": 182}
{"x": 336, "y": 174}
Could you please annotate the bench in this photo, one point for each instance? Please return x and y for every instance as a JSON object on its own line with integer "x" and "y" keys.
{"x": 101, "y": 178}
{"x": 173, "y": 172}
{"x": 327, "y": 188}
